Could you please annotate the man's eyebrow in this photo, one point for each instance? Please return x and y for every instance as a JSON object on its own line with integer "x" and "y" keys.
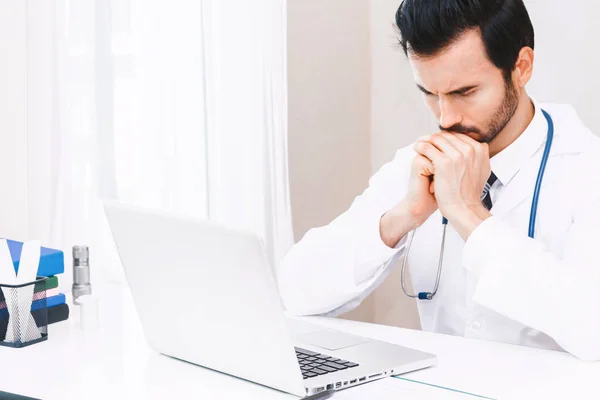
{"x": 422, "y": 89}
{"x": 462, "y": 90}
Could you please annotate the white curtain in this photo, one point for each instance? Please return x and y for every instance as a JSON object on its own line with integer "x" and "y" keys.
{"x": 179, "y": 106}
{"x": 247, "y": 108}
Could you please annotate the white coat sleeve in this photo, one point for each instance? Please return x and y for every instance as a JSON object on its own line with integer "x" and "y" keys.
{"x": 334, "y": 264}
{"x": 521, "y": 279}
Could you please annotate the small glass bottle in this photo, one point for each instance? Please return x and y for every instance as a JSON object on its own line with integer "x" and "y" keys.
{"x": 81, "y": 272}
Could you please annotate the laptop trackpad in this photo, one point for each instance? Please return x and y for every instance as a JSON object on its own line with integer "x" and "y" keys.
{"x": 331, "y": 340}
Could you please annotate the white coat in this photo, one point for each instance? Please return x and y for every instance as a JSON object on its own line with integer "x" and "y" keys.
{"x": 500, "y": 285}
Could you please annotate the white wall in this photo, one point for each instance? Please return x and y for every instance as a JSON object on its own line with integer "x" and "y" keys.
{"x": 567, "y": 64}
{"x": 13, "y": 119}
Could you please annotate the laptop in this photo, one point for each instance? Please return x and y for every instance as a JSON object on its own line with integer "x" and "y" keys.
{"x": 206, "y": 294}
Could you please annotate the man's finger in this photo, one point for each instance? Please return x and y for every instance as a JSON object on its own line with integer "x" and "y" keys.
{"x": 423, "y": 165}
{"x": 431, "y": 152}
{"x": 479, "y": 147}
{"x": 466, "y": 139}
{"x": 445, "y": 146}
{"x": 467, "y": 149}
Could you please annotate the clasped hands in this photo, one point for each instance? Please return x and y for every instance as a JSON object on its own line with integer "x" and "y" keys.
{"x": 456, "y": 169}
{"x": 448, "y": 172}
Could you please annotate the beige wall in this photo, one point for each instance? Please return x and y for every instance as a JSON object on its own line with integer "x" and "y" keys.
{"x": 329, "y": 112}
{"x": 351, "y": 105}
{"x": 398, "y": 114}
{"x": 329, "y": 70}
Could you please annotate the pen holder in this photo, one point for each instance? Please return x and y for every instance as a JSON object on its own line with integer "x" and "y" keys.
{"x": 23, "y": 314}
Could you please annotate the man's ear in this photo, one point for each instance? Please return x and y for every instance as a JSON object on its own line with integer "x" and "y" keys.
{"x": 523, "y": 67}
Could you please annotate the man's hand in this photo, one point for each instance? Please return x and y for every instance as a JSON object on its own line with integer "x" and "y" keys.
{"x": 418, "y": 204}
{"x": 461, "y": 167}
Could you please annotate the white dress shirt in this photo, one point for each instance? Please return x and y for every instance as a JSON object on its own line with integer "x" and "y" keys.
{"x": 500, "y": 285}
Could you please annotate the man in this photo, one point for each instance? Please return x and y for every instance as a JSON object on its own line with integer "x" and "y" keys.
{"x": 472, "y": 60}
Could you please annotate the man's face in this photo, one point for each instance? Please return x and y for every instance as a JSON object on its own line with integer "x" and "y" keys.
{"x": 464, "y": 90}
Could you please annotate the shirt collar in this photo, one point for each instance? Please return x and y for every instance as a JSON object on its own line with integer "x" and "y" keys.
{"x": 509, "y": 161}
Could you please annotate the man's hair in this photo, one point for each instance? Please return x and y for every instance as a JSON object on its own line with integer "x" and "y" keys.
{"x": 428, "y": 27}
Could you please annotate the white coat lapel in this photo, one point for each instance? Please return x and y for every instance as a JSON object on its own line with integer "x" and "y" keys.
{"x": 520, "y": 189}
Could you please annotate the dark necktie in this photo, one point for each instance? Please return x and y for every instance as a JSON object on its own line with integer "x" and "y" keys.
{"x": 486, "y": 198}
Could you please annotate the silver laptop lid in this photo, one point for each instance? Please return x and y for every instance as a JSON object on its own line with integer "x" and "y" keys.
{"x": 206, "y": 294}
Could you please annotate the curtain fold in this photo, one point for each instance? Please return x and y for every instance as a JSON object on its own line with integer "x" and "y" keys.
{"x": 247, "y": 125}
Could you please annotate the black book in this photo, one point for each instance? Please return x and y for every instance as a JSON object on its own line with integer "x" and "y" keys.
{"x": 53, "y": 315}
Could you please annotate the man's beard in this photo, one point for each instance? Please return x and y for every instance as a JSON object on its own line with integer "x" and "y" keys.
{"x": 499, "y": 120}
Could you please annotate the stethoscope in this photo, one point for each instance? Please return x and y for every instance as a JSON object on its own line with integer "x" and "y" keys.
{"x": 532, "y": 217}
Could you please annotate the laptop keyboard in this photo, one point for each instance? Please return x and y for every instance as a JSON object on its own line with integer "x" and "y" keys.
{"x": 314, "y": 364}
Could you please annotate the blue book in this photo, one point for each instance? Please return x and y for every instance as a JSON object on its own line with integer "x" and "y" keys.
{"x": 49, "y": 302}
{"x": 52, "y": 262}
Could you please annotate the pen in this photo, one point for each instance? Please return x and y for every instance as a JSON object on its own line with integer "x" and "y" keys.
{"x": 320, "y": 396}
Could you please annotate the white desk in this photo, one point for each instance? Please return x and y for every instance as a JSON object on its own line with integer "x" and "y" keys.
{"x": 116, "y": 362}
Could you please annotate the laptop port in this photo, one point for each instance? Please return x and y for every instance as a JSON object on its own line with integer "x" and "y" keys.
{"x": 345, "y": 383}
{"x": 375, "y": 376}
{"x": 364, "y": 378}
{"x": 353, "y": 381}
{"x": 320, "y": 389}
{"x": 338, "y": 385}
{"x": 330, "y": 386}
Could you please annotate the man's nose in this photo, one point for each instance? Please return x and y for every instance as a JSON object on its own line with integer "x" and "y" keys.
{"x": 449, "y": 115}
